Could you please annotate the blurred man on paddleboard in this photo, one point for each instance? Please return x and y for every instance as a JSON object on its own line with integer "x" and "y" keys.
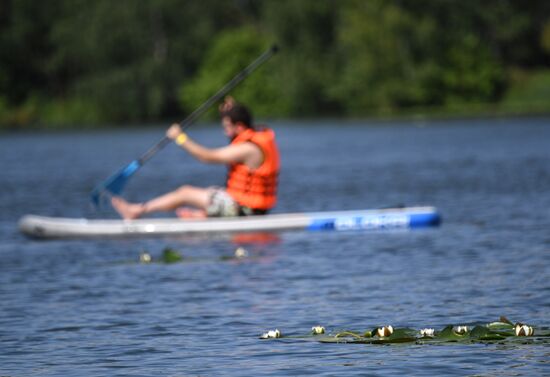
{"x": 252, "y": 159}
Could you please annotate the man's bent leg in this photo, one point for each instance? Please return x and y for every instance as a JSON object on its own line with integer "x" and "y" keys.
{"x": 185, "y": 195}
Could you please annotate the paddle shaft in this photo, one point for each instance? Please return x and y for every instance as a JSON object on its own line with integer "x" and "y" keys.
{"x": 191, "y": 118}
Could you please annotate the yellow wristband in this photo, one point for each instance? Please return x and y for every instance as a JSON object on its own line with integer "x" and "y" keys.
{"x": 181, "y": 139}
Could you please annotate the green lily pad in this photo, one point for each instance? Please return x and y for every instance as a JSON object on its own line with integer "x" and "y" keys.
{"x": 348, "y": 334}
{"x": 403, "y": 335}
{"x": 171, "y": 256}
{"x": 500, "y": 326}
{"x": 483, "y": 333}
{"x": 448, "y": 335}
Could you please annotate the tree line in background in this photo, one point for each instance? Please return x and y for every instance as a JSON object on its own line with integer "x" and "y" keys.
{"x": 74, "y": 62}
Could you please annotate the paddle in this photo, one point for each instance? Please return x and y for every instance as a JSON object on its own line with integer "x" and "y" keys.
{"x": 115, "y": 183}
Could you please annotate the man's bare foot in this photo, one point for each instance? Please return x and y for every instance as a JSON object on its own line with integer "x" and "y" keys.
{"x": 127, "y": 210}
{"x": 188, "y": 213}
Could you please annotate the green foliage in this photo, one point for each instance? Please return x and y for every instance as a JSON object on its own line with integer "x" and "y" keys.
{"x": 473, "y": 74}
{"x": 79, "y": 61}
{"x": 24, "y": 26}
{"x": 170, "y": 255}
{"x": 545, "y": 37}
{"x": 229, "y": 54}
{"x": 528, "y": 90}
{"x": 306, "y": 30}
{"x": 122, "y": 59}
{"x": 16, "y": 116}
{"x": 388, "y": 64}
{"x": 398, "y": 59}
{"x": 69, "y": 112}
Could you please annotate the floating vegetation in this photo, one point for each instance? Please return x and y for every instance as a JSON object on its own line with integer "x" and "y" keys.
{"x": 241, "y": 252}
{"x": 271, "y": 334}
{"x": 499, "y": 331}
{"x": 317, "y": 330}
{"x": 170, "y": 255}
{"x": 427, "y": 333}
{"x": 384, "y": 331}
{"x": 524, "y": 330}
{"x": 145, "y": 257}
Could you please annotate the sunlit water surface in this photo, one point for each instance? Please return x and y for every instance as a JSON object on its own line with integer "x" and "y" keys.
{"x": 89, "y": 308}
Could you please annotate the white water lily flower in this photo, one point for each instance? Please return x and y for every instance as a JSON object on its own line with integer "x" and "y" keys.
{"x": 145, "y": 258}
{"x": 524, "y": 330}
{"x": 241, "y": 252}
{"x": 460, "y": 330}
{"x": 385, "y": 331}
{"x": 316, "y": 330}
{"x": 427, "y": 332}
{"x": 271, "y": 334}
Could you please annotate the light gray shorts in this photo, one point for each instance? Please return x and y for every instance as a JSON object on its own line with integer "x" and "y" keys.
{"x": 221, "y": 204}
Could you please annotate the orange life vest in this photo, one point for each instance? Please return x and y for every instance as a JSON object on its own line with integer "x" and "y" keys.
{"x": 255, "y": 189}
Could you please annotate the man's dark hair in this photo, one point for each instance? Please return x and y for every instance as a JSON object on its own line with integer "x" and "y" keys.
{"x": 239, "y": 113}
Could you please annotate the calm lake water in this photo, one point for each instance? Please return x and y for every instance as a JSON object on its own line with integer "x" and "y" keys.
{"x": 89, "y": 308}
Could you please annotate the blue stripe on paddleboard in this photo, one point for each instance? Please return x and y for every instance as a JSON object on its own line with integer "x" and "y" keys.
{"x": 375, "y": 221}
{"x": 420, "y": 220}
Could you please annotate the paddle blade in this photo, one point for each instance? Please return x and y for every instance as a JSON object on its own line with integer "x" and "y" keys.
{"x": 115, "y": 183}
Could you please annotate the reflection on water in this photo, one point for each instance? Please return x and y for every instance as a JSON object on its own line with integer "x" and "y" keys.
{"x": 256, "y": 238}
